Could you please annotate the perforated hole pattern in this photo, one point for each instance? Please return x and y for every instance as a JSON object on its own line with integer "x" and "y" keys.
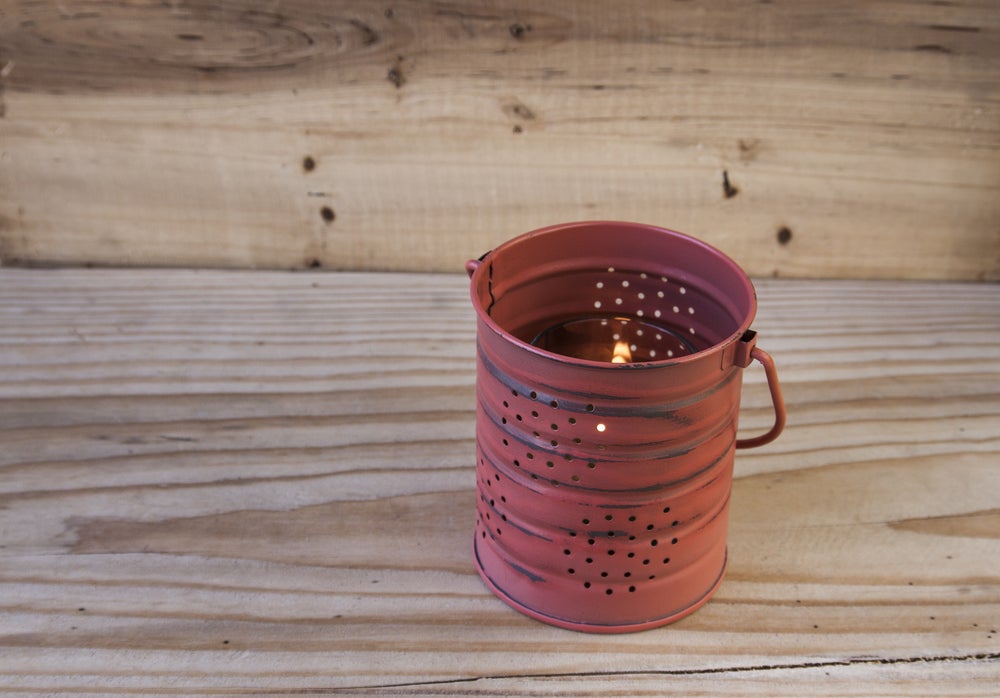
{"x": 652, "y": 299}
{"x": 605, "y": 553}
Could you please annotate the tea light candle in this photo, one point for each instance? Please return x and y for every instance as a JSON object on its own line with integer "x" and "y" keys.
{"x": 616, "y": 339}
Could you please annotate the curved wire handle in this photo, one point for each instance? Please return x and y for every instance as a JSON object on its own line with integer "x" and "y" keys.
{"x": 776, "y": 399}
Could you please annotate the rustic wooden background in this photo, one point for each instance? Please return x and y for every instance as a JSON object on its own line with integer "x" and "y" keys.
{"x": 834, "y": 139}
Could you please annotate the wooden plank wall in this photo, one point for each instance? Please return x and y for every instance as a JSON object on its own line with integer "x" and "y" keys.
{"x": 805, "y": 138}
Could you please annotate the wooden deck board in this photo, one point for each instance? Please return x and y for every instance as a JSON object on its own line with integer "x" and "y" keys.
{"x": 263, "y": 482}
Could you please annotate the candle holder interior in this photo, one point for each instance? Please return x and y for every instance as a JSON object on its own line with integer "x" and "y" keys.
{"x": 569, "y": 292}
{"x": 613, "y": 338}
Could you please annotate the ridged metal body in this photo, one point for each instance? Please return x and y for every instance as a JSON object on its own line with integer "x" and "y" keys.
{"x": 603, "y": 489}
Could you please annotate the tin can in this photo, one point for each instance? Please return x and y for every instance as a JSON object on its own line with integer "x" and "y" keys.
{"x": 609, "y": 369}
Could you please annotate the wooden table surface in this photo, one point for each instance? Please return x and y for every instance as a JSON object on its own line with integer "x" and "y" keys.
{"x": 250, "y": 482}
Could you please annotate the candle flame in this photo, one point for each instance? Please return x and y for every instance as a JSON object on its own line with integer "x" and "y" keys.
{"x": 621, "y": 354}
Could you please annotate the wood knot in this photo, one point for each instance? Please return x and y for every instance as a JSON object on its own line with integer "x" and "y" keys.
{"x": 518, "y": 30}
{"x": 728, "y": 190}
{"x": 395, "y": 76}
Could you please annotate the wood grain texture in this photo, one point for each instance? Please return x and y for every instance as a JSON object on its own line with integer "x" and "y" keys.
{"x": 236, "y": 482}
{"x": 847, "y": 139}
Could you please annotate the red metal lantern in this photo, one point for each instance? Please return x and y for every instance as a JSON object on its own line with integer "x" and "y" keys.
{"x": 609, "y": 369}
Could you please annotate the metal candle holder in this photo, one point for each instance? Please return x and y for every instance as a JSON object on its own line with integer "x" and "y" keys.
{"x": 609, "y": 369}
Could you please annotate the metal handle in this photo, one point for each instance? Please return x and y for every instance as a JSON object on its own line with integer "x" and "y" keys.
{"x": 776, "y": 399}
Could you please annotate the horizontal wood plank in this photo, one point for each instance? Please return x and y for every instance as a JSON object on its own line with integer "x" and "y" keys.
{"x": 848, "y": 139}
{"x": 219, "y": 482}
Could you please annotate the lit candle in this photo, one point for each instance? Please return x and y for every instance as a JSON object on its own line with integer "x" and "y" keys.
{"x": 622, "y": 354}
{"x": 613, "y": 338}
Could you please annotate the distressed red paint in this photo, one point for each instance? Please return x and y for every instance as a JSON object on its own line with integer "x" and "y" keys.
{"x": 603, "y": 488}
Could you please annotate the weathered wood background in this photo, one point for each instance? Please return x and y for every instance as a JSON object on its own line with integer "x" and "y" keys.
{"x": 851, "y": 138}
